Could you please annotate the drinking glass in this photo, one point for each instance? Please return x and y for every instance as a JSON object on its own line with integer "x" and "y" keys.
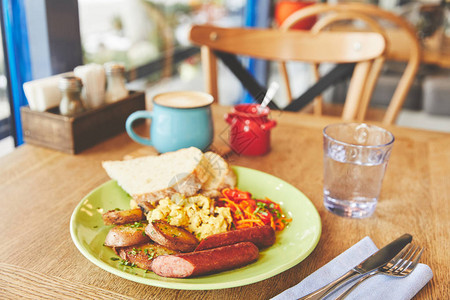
{"x": 355, "y": 160}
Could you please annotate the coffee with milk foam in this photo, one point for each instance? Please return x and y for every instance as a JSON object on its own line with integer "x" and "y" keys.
{"x": 183, "y": 99}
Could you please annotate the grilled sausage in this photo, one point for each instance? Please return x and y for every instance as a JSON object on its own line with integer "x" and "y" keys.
{"x": 261, "y": 236}
{"x": 205, "y": 262}
{"x": 142, "y": 255}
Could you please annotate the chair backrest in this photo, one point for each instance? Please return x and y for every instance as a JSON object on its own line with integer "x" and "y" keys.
{"x": 402, "y": 44}
{"x": 277, "y": 45}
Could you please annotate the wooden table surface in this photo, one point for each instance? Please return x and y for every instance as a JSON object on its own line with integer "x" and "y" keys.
{"x": 41, "y": 187}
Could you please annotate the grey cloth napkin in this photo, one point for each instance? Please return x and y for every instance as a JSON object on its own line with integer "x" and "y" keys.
{"x": 378, "y": 287}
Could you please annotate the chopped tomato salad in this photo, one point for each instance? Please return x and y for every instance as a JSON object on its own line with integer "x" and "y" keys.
{"x": 248, "y": 212}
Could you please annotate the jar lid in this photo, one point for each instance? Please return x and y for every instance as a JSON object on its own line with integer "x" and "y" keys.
{"x": 70, "y": 83}
{"x": 113, "y": 67}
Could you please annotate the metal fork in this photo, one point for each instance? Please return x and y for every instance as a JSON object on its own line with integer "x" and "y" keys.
{"x": 400, "y": 266}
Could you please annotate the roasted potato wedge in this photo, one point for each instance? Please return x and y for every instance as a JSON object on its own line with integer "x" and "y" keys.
{"x": 172, "y": 237}
{"x": 127, "y": 235}
{"x": 146, "y": 207}
{"x": 119, "y": 217}
{"x": 143, "y": 255}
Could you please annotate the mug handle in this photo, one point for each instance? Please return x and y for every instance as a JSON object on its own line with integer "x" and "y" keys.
{"x": 141, "y": 114}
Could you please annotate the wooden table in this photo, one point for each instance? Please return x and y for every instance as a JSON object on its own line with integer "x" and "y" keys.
{"x": 41, "y": 187}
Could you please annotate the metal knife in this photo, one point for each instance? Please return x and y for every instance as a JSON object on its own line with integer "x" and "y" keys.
{"x": 376, "y": 260}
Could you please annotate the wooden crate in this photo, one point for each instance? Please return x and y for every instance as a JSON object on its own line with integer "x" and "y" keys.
{"x": 75, "y": 134}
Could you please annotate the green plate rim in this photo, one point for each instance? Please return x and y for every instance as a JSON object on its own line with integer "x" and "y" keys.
{"x": 178, "y": 283}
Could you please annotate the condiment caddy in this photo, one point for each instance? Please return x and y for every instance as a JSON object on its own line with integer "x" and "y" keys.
{"x": 71, "y": 115}
{"x": 73, "y": 134}
{"x": 87, "y": 87}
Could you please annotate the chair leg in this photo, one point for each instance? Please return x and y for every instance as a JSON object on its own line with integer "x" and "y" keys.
{"x": 209, "y": 64}
{"x": 318, "y": 106}
{"x": 369, "y": 87}
{"x": 287, "y": 85}
{"x": 355, "y": 91}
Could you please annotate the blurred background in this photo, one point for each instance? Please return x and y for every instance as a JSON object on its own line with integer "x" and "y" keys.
{"x": 46, "y": 37}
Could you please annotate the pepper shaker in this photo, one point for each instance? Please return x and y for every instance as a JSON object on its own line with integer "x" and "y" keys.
{"x": 70, "y": 87}
{"x": 115, "y": 82}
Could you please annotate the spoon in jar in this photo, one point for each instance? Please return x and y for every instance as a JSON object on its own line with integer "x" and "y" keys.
{"x": 269, "y": 96}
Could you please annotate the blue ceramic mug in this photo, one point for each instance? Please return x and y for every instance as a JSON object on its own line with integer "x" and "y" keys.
{"x": 179, "y": 120}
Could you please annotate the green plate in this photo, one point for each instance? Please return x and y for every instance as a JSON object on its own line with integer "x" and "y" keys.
{"x": 292, "y": 246}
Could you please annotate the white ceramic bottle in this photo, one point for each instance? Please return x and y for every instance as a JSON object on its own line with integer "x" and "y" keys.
{"x": 94, "y": 79}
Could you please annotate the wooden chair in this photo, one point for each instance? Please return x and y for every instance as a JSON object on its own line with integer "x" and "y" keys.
{"x": 401, "y": 42}
{"x": 277, "y": 45}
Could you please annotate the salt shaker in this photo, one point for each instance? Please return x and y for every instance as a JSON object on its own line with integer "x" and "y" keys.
{"x": 70, "y": 87}
{"x": 115, "y": 82}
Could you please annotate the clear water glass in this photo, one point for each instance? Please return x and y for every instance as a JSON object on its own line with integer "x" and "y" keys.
{"x": 355, "y": 160}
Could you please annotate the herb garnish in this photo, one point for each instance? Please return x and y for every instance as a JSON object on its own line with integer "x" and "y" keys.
{"x": 136, "y": 225}
{"x": 133, "y": 252}
{"x": 127, "y": 263}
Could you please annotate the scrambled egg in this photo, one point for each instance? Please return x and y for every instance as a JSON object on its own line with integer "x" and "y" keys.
{"x": 196, "y": 214}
